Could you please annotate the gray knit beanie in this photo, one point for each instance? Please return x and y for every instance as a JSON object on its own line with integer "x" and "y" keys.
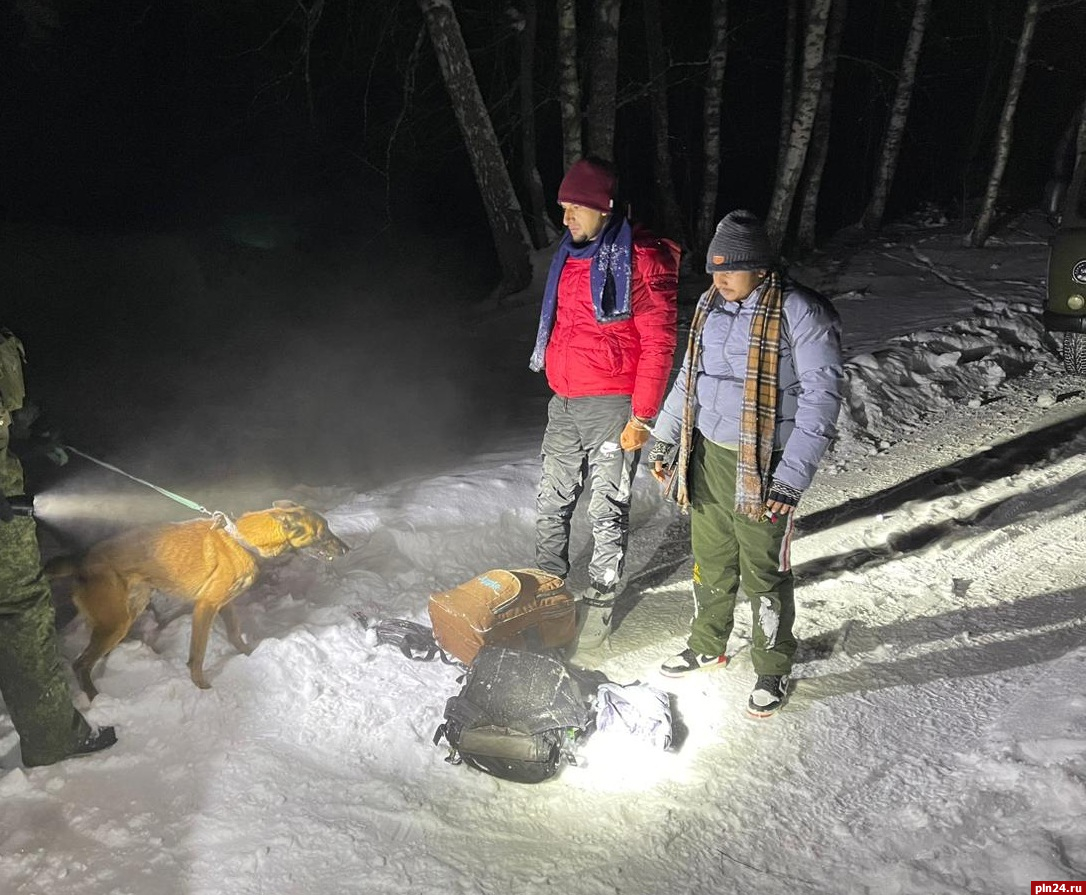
{"x": 740, "y": 243}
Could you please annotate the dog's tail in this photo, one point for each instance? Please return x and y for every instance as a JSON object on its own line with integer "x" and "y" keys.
{"x": 60, "y": 567}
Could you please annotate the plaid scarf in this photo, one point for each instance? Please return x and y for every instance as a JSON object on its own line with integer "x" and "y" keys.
{"x": 758, "y": 418}
{"x": 678, "y": 484}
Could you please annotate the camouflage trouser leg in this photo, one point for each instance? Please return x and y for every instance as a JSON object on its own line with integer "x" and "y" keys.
{"x": 32, "y": 680}
{"x": 579, "y": 446}
{"x": 732, "y": 550}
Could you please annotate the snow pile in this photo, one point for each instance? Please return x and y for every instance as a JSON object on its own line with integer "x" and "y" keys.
{"x": 994, "y": 333}
{"x": 892, "y": 392}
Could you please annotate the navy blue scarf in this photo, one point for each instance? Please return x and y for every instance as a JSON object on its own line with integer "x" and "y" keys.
{"x": 611, "y": 273}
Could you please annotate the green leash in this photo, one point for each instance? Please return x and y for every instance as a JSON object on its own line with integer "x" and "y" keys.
{"x": 192, "y": 505}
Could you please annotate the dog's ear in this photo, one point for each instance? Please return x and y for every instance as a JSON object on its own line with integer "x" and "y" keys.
{"x": 292, "y": 527}
{"x": 285, "y": 504}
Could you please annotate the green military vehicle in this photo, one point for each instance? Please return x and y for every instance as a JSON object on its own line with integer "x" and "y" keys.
{"x": 1065, "y": 205}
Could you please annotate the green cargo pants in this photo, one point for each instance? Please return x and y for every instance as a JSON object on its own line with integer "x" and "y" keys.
{"x": 32, "y": 680}
{"x": 732, "y": 550}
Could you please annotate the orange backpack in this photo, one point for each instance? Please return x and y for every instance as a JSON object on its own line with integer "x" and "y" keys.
{"x": 520, "y": 608}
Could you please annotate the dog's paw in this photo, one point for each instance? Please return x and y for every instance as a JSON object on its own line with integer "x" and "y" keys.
{"x": 200, "y": 681}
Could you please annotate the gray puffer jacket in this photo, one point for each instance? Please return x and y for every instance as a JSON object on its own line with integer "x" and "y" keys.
{"x": 811, "y": 381}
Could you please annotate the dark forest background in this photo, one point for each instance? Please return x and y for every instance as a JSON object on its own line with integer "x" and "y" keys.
{"x": 179, "y": 114}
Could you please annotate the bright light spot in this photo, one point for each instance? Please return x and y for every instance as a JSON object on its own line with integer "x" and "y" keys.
{"x": 130, "y": 507}
{"x": 617, "y": 762}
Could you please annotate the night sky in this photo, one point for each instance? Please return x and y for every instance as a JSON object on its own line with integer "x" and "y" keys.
{"x": 200, "y": 207}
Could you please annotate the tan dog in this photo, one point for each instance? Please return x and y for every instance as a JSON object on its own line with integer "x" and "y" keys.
{"x": 207, "y": 561}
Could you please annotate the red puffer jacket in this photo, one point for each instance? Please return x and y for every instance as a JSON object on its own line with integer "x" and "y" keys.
{"x": 626, "y": 357}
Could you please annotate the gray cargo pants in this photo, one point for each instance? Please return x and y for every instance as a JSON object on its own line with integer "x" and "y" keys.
{"x": 581, "y": 445}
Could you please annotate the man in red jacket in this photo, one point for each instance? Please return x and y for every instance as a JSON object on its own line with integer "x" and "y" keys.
{"x": 606, "y": 339}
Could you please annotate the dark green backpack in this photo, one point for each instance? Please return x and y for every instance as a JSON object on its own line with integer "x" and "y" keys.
{"x": 517, "y": 716}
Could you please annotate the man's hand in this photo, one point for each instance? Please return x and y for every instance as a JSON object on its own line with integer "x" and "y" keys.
{"x": 781, "y": 500}
{"x": 44, "y": 444}
{"x": 662, "y": 457}
{"x": 636, "y": 434}
{"x": 53, "y": 449}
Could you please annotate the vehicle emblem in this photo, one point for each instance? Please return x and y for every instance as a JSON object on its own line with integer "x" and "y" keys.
{"x": 1078, "y": 272}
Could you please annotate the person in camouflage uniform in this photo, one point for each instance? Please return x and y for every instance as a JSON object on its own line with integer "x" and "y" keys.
{"x": 32, "y": 681}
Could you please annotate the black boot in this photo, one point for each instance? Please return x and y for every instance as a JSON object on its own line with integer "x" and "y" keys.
{"x": 594, "y": 618}
{"x": 95, "y": 741}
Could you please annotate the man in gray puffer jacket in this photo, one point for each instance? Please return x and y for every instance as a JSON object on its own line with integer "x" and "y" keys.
{"x": 739, "y": 439}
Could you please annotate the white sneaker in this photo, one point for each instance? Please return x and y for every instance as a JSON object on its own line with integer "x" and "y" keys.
{"x": 688, "y": 661}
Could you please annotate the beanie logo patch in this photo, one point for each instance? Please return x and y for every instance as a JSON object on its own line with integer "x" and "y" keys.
{"x": 719, "y": 259}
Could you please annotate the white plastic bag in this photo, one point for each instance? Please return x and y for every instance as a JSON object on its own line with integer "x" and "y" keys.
{"x": 639, "y": 711}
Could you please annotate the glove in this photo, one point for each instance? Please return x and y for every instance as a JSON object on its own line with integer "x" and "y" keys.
{"x": 635, "y": 435}
{"x": 29, "y": 427}
{"x": 6, "y": 512}
{"x": 662, "y": 457}
{"x": 781, "y": 500}
{"x": 665, "y": 452}
{"x": 53, "y": 449}
{"x": 44, "y": 444}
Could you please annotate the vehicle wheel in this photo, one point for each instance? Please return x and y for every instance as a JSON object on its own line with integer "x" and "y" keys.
{"x": 1074, "y": 353}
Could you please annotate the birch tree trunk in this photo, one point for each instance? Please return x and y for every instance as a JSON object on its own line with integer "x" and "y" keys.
{"x": 983, "y": 225}
{"x": 895, "y": 127}
{"x": 799, "y": 138}
{"x": 529, "y": 168}
{"x": 788, "y": 78}
{"x": 820, "y": 137}
{"x": 499, "y": 199}
{"x": 670, "y": 216}
{"x": 311, "y": 17}
{"x": 714, "y": 92}
{"x": 569, "y": 85}
{"x": 603, "y": 79}
{"x": 1080, "y": 143}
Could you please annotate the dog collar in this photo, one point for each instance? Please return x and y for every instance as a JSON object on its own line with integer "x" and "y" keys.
{"x": 219, "y": 519}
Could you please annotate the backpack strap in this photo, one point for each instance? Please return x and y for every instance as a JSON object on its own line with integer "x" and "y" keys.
{"x": 415, "y": 641}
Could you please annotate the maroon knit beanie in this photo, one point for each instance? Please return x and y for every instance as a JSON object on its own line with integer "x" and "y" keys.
{"x": 590, "y": 184}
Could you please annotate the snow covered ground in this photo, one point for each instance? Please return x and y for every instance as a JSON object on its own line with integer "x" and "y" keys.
{"x": 935, "y": 741}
